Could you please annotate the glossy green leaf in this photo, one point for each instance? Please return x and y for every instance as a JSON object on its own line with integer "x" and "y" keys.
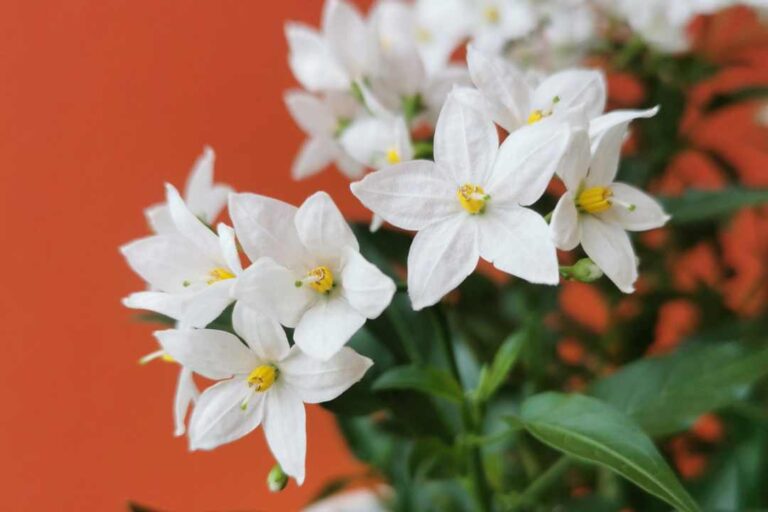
{"x": 491, "y": 378}
{"x": 667, "y": 394}
{"x": 429, "y": 380}
{"x": 707, "y": 205}
{"x": 596, "y": 432}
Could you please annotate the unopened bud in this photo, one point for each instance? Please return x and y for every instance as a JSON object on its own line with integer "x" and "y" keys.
{"x": 277, "y": 480}
{"x": 586, "y": 271}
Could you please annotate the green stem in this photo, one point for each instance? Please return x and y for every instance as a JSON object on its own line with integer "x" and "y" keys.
{"x": 472, "y": 420}
{"x": 542, "y": 483}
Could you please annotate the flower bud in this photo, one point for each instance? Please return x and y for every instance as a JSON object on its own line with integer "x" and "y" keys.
{"x": 584, "y": 270}
{"x": 277, "y": 480}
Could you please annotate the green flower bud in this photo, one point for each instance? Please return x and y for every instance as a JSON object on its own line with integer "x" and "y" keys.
{"x": 277, "y": 480}
{"x": 586, "y": 271}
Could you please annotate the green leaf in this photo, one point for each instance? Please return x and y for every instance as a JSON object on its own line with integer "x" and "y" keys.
{"x": 596, "y": 432}
{"x": 491, "y": 378}
{"x": 427, "y": 380}
{"x": 707, "y": 205}
{"x": 667, "y": 394}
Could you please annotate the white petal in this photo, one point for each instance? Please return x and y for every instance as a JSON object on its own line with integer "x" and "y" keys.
{"x": 441, "y": 257}
{"x": 191, "y": 227}
{"x": 327, "y": 326}
{"x": 368, "y": 140}
{"x": 311, "y": 60}
{"x": 364, "y": 286}
{"x": 347, "y": 36}
{"x": 609, "y": 247}
{"x": 168, "y": 304}
{"x": 647, "y": 212}
{"x": 286, "y": 430}
{"x": 212, "y": 354}
{"x": 572, "y": 88}
{"x": 314, "y": 155}
{"x": 564, "y": 225}
{"x": 575, "y": 163}
{"x": 204, "y": 199}
{"x": 316, "y": 381}
{"x": 269, "y": 287}
{"x": 228, "y": 246}
{"x": 348, "y": 166}
{"x": 440, "y": 83}
{"x": 262, "y": 333}
{"x": 517, "y": 241}
{"x": 409, "y": 195}
{"x": 322, "y": 228}
{"x": 159, "y": 219}
{"x": 605, "y": 157}
{"x": 599, "y": 125}
{"x": 203, "y": 307}
{"x": 526, "y": 162}
{"x": 218, "y": 417}
{"x": 503, "y": 85}
{"x": 166, "y": 262}
{"x": 265, "y": 227}
{"x": 313, "y": 115}
{"x": 186, "y": 394}
{"x": 466, "y": 143}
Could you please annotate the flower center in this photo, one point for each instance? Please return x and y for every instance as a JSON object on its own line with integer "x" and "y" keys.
{"x": 594, "y": 199}
{"x": 393, "y": 156}
{"x": 262, "y": 378}
{"x": 491, "y": 14}
{"x": 320, "y": 279}
{"x": 537, "y": 115}
{"x": 423, "y": 35}
{"x": 472, "y": 198}
{"x": 220, "y": 274}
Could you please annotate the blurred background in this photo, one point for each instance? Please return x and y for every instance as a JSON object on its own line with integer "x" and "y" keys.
{"x": 102, "y": 102}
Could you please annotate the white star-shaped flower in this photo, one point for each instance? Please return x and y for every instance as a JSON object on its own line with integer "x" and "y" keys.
{"x": 264, "y": 381}
{"x": 596, "y": 211}
{"x": 190, "y": 271}
{"x": 323, "y": 119}
{"x": 469, "y": 203}
{"x": 307, "y": 270}
{"x": 204, "y": 198}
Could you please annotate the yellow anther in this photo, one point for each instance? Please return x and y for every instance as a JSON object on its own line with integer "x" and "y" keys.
{"x": 594, "y": 199}
{"x": 492, "y": 14}
{"x": 262, "y": 378}
{"x": 321, "y": 279}
{"x": 393, "y": 156}
{"x": 158, "y": 354}
{"x": 472, "y": 198}
{"x": 167, "y": 358}
{"x": 423, "y": 35}
{"x": 220, "y": 274}
{"x": 536, "y": 116}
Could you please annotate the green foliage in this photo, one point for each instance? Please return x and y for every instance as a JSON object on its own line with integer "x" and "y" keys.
{"x": 705, "y": 205}
{"x": 424, "y": 379}
{"x": 492, "y": 378}
{"x": 591, "y": 430}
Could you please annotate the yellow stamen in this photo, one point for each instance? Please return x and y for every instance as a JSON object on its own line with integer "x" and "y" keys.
{"x": 220, "y": 274}
{"x": 321, "y": 279}
{"x": 472, "y": 198}
{"x": 262, "y": 378}
{"x": 393, "y": 156}
{"x": 536, "y": 116}
{"x": 423, "y": 35}
{"x": 159, "y": 354}
{"x": 492, "y": 14}
{"x": 594, "y": 199}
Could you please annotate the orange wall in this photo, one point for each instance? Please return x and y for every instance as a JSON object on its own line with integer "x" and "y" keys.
{"x": 100, "y": 102}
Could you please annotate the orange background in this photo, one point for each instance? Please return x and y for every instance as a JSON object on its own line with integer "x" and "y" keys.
{"x": 100, "y": 103}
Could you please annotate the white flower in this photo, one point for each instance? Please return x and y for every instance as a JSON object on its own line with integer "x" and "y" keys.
{"x": 186, "y": 391}
{"x": 469, "y": 202}
{"x": 494, "y": 23}
{"x": 358, "y": 500}
{"x": 509, "y": 97}
{"x": 267, "y": 382}
{"x": 190, "y": 271}
{"x": 307, "y": 270}
{"x": 596, "y": 211}
{"x": 323, "y": 119}
{"x": 331, "y": 60}
{"x": 203, "y": 197}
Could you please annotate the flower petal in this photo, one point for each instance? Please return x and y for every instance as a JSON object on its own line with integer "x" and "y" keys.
{"x": 503, "y": 85}
{"x": 213, "y": 354}
{"x": 229, "y": 250}
{"x": 315, "y": 154}
{"x": 466, "y": 142}
{"x": 190, "y": 226}
{"x": 261, "y": 332}
{"x": 159, "y": 219}
{"x": 286, "y": 430}
{"x": 204, "y": 199}
{"x": 410, "y": 195}
{"x": 605, "y": 157}
{"x": 575, "y": 163}
{"x": 218, "y": 417}
{"x": 609, "y": 247}
{"x": 203, "y": 307}
{"x": 517, "y": 241}
{"x": 647, "y": 212}
{"x": 348, "y": 36}
{"x": 327, "y": 326}
{"x": 600, "y": 125}
{"x": 526, "y": 162}
{"x": 269, "y": 287}
{"x": 348, "y": 166}
{"x": 168, "y": 304}
{"x": 441, "y": 257}
{"x": 313, "y": 115}
{"x": 572, "y": 88}
{"x": 322, "y": 228}
{"x": 368, "y": 140}
{"x": 265, "y": 227}
{"x": 311, "y": 60}
{"x": 564, "y": 225}
{"x": 316, "y": 381}
{"x": 364, "y": 286}
{"x": 186, "y": 394}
